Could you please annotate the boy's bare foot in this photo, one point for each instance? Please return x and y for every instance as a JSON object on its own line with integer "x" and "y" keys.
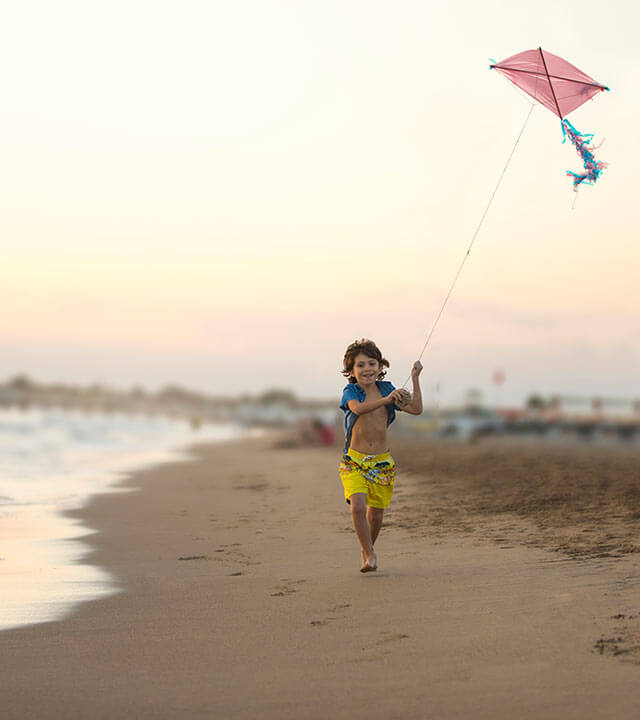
{"x": 369, "y": 564}
{"x": 363, "y": 560}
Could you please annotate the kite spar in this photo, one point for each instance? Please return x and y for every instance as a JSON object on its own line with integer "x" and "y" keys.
{"x": 560, "y": 87}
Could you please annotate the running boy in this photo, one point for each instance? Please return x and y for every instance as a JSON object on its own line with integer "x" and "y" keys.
{"x": 367, "y": 469}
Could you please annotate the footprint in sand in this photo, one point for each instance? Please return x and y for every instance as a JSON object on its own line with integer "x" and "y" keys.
{"x": 193, "y": 557}
{"x": 232, "y": 553}
{"x": 332, "y": 609}
{"x": 235, "y": 554}
{"x": 286, "y": 588}
{"x": 391, "y": 637}
{"x": 282, "y": 590}
{"x": 253, "y": 487}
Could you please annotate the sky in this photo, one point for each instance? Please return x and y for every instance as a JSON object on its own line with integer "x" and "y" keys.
{"x": 225, "y": 195}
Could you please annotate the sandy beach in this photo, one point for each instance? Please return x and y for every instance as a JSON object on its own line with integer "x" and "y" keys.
{"x": 509, "y": 586}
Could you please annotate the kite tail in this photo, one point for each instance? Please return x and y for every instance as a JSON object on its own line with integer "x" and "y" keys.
{"x": 582, "y": 142}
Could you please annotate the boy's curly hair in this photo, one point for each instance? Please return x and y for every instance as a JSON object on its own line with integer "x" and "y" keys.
{"x": 368, "y": 348}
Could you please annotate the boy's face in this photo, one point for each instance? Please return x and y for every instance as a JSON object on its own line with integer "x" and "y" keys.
{"x": 365, "y": 369}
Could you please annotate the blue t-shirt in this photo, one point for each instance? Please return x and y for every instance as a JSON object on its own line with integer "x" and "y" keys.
{"x": 353, "y": 391}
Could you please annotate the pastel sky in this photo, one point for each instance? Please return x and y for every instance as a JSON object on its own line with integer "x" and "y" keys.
{"x": 224, "y": 195}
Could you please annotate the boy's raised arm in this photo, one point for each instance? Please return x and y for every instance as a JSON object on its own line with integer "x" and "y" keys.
{"x": 415, "y": 406}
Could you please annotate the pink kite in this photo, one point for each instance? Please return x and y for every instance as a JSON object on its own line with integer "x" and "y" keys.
{"x": 561, "y": 88}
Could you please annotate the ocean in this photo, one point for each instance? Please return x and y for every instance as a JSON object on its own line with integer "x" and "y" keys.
{"x": 54, "y": 460}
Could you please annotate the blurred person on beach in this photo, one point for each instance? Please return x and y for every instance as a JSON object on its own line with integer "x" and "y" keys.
{"x": 324, "y": 434}
{"x": 367, "y": 469}
{"x": 313, "y": 431}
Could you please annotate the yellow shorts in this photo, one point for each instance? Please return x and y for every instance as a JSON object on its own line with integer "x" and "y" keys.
{"x": 373, "y": 475}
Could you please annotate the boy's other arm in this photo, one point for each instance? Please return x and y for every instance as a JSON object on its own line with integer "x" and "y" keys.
{"x": 415, "y": 406}
{"x": 362, "y": 408}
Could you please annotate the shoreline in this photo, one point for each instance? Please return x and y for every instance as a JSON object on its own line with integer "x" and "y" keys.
{"x": 44, "y": 540}
{"x": 243, "y": 599}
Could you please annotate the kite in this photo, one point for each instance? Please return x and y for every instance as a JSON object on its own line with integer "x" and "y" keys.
{"x": 560, "y": 87}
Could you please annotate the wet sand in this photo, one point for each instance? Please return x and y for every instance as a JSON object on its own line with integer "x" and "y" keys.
{"x": 242, "y": 597}
{"x": 579, "y": 500}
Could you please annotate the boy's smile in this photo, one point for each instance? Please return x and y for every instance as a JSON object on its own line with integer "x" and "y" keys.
{"x": 365, "y": 369}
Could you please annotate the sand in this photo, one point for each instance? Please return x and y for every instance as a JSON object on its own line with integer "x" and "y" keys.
{"x": 580, "y": 500}
{"x": 241, "y": 598}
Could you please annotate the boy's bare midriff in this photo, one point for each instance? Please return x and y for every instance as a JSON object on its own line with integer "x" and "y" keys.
{"x": 369, "y": 434}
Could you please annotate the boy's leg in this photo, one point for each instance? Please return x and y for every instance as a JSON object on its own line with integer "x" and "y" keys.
{"x": 361, "y": 526}
{"x": 374, "y": 518}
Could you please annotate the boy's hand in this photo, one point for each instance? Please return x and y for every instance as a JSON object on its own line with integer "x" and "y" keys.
{"x": 400, "y": 397}
{"x": 416, "y": 370}
{"x": 397, "y": 396}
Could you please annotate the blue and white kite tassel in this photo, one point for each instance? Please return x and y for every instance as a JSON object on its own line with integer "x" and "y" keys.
{"x": 582, "y": 143}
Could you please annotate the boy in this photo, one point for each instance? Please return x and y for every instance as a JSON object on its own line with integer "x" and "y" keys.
{"x": 367, "y": 469}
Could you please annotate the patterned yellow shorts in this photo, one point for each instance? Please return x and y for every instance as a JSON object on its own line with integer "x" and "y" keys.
{"x": 370, "y": 474}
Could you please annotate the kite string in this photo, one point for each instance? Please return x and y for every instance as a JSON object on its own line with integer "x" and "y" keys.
{"x": 475, "y": 234}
